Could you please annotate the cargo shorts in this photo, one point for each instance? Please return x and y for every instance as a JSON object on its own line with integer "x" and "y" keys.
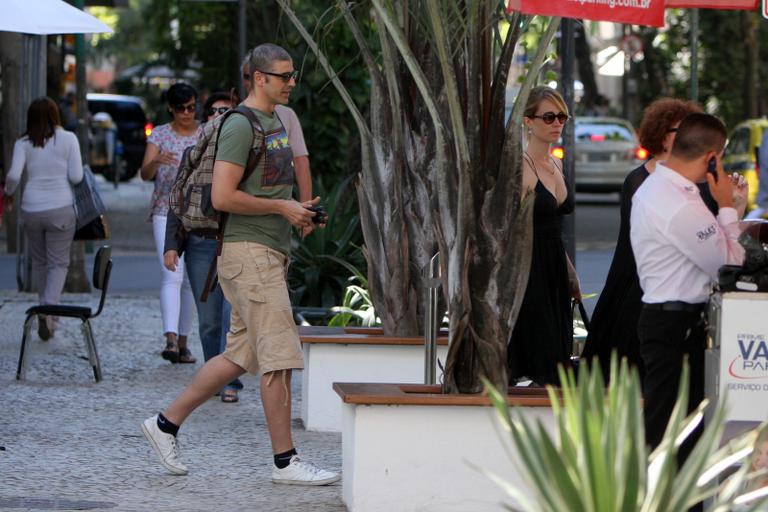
{"x": 262, "y": 335}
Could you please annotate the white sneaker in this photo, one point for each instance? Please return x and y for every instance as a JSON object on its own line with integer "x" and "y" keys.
{"x": 165, "y": 446}
{"x": 298, "y": 472}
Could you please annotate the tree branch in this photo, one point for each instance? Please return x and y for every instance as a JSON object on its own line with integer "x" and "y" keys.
{"x": 465, "y": 214}
{"x": 498, "y": 93}
{"x": 398, "y": 37}
{"x": 357, "y": 33}
{"x": 365, "y": 133}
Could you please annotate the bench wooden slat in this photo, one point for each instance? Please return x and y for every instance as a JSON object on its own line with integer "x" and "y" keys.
{"x": 419, "y": 394}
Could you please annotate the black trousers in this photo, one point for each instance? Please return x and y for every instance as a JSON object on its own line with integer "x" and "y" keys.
{"x": 665, "y": 338}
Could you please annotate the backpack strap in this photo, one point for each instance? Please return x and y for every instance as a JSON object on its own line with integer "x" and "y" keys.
{"x": 253, "y": 157}
{"x": 211, "y": 279}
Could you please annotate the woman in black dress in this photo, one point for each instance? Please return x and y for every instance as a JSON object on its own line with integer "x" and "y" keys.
{"x": 614, "y": 321}
{"x": 543, "y": 335}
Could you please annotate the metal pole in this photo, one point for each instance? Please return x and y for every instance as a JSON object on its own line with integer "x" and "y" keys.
{"x": 568, "y": 50}
{"x": 431, "y": 325}
{"x": 625, "y": 76}
{"x": 80, "y": 85}
{"x": 241, "y": 34}
{"x": 694, "y": 54}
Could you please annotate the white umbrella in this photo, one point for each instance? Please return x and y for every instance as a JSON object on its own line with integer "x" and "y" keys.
{"x": 47, "y": 17}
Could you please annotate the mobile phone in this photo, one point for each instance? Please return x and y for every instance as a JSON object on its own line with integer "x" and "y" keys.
{"x": 712, "y": 167}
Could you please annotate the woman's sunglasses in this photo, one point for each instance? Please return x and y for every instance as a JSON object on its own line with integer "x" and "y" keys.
{"x": 549, "y": 117}
{"x": 181, "y": 108}
{"x": 212, "y": 111}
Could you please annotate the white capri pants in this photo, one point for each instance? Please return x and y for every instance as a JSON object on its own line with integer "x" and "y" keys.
{"x": 177, "y": 304}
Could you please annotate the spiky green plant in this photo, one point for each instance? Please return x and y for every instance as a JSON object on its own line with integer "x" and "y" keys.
{"x": 597, "y": 459}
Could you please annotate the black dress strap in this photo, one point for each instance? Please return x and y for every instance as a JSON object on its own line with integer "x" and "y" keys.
{"x": 533, "y": 165}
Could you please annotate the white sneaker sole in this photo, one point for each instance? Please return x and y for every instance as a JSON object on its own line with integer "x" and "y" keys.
{"x": 174, "y": 470}
{"x": 326, "y": 481}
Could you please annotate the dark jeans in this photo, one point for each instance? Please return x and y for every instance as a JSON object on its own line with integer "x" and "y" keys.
{"x": 213, "y": 314}
{"x": 665, "y": 338}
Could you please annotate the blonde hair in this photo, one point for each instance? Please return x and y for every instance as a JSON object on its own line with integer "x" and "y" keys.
{"x": 541, "y": 93}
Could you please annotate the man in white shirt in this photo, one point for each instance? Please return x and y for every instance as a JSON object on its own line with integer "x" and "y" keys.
{"x": 679, "y": 247}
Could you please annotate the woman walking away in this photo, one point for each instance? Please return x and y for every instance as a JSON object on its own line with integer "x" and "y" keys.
{"x": 161, "y": 159}
{"x": 50, "y": 156}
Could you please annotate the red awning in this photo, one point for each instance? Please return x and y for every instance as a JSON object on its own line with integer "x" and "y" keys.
{"x": 714, "y": 4}
{"x": 634, "y": 12}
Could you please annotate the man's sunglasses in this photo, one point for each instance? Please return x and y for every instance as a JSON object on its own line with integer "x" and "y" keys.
{"x": 285, "y": 77}
{"x": 181, "y": 108}
{"x": 549, "y": 117}
{"x": 211, "y": 111}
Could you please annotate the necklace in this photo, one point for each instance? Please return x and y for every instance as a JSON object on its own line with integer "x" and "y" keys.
{"x": 549, "y": 166}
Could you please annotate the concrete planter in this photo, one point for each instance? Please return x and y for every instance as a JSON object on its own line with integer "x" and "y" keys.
{"x": 409, "y": 448}
{"x": 354, "y": 355}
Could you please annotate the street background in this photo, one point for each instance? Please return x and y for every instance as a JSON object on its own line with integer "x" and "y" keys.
{"x": 136, "y": 266}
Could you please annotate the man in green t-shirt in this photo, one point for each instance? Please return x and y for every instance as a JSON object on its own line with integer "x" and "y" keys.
{"x": 263, "y": 337}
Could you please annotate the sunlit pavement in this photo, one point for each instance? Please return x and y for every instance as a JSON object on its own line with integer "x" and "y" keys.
{"x": 70, "y": 443}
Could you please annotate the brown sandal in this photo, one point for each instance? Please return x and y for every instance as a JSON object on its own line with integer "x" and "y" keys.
{"x": 185, "y": 356}
{"x": 171, "y": 352}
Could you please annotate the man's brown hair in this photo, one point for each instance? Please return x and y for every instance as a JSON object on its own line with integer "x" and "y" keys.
{"x": 698, "y": 134}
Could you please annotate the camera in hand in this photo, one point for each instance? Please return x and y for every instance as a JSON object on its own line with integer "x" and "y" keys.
{"x": 321, "y": 216}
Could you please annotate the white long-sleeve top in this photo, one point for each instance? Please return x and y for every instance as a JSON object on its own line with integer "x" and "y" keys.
{"x": 51, "y": 170}
{"x": 678, "y": 244}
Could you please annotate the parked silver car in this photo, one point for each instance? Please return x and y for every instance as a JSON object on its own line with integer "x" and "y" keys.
{"x": 607, "y": 149}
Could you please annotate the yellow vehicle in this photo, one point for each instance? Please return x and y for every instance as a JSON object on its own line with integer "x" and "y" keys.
{"x": 741, "y": 153}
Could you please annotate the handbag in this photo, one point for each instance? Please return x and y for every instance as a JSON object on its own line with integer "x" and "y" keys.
{"x": 580, "y": 331}
{"x": 97, "y": 229}
{"x": 88, "y": 204}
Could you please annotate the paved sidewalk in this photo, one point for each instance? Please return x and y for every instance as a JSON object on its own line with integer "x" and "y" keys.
{"x": 71, "y": 444}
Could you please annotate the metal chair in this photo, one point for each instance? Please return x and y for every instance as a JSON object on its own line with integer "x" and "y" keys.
{"x": 102, "y": 267}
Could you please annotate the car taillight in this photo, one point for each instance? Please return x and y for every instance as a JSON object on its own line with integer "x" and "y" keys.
{"x": 148, "y": 129}
{"x": 597, "y": 138}
{"x": 641, "y": 153}
{"x": 558, "y": 152}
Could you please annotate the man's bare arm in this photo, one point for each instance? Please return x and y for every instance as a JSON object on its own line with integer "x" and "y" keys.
{"x": 226, "y": 197}
{"x": 303, "y": 177}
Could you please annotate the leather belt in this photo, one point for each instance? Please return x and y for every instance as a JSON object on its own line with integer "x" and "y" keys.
{"x": 676, "y": 305}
